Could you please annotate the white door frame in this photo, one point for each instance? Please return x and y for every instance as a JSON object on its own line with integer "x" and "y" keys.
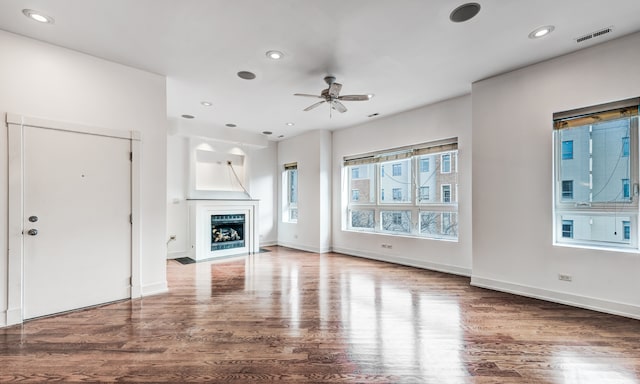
{"x": 15, "y": 270}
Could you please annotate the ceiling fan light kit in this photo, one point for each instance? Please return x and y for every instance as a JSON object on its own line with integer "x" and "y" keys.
{"x": 331, "y": 95}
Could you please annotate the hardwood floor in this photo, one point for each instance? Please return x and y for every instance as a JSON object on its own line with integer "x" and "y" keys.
{"x": 295, "y": 317}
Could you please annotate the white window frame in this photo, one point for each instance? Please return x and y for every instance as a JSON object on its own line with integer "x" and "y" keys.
{"x": 412, "y": 204}
{"x": 588, "y": 209}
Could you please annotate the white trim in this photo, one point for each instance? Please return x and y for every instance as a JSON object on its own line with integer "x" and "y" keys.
{"x": 304, "y": 247}
{"x": 136, "y": 236}
{"x": 155, "y": 288}
{"x": 268, "y": 243}
{"x": 452, "y": 269}
{"x": 15, "y": 256}
{"x": 591, "y": 303}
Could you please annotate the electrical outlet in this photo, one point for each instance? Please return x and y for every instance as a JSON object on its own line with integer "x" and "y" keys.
{"x": 564, "y": 277}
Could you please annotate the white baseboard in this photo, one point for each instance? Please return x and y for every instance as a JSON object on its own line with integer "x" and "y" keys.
{"x": 155, "y": 288}
{"x": 268, "y": 243}
{"x": 404, "y": 261}
{"x": 304, "y": 247}
{"x": 594, "y": 304}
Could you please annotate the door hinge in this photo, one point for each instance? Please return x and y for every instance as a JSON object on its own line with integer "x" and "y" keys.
{"x": 130, "y": 218}
{"x": 130, "y": 281}
{"x": 130, "y": 156}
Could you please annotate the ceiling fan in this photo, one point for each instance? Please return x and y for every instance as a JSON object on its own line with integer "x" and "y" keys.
{"x": 332, "y": 96}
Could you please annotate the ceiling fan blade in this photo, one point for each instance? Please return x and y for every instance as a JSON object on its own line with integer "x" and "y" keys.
{"x": 334, "y": 89}
{"x": 338, "y": 106}
{"x": 307, "y": 95}
{"x": 355, "y": 97}
{"x": 314, "y": 105}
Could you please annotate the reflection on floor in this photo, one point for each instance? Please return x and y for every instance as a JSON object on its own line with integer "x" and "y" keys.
{"x": 298, "y": 317}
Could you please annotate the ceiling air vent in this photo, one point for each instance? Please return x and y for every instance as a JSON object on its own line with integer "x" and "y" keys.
{"x": 594, "y": 34}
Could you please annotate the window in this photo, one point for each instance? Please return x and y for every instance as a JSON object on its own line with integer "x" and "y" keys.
{"x": 362, "y": 219}
{"x": 398, "y": 182}
{"x": 567, "y": 150}
{"x": 397, "y": 194}
{"x": 396, "y": 221}
{"x": 424, "y": 194}
{"x": 626, "y": 230}
{"x": 446, "y": 163}
{"x": 424, "y": 164}
{"x": 595, "y": 191}
{"x": 626, "y": 192}
{"x": 567, "y": 189}
{"x": 446, "y": 193}
{"x": 362, "y": 184}
{"x": 625, "y": 146}
{"x": 290, "y": 178}
{"x": 421, "y": 202}
{"x": 567, "y": 229}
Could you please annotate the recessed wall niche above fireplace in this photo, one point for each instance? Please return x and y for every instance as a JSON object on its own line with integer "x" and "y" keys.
{"x": 223, "y": 227}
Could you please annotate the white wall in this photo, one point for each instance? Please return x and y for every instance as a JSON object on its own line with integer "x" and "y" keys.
{"x": 45, "y": 81}
{"x": 258, "y": 174}
{"x": 451, "y": 118}
{"x": 512, "y": 180}
{"x": 311, "y": 151}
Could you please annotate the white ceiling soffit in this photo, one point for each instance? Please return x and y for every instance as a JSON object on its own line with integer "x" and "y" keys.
{"x": 405, "y": 52}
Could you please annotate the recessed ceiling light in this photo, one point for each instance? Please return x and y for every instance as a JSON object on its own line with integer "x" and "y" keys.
{"x": 188, "y": 116}
{"x": 246, "y": 75}
{"x": 230, "y": 125}
{"x": 373, "y": 114}
{"x": 541, "y": 32}
{"x": 464, "y": 12}
{"x": 290, "y": 124}
{"x": 38, "y": 16}
{"x": 280, "y": 137}
{"x": 206, "y": 103}
{"x": 275, "y": 55}
{"x": 267, "y": 133}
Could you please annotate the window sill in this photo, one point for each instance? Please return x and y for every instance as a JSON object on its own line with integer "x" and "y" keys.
{"x": 598, "y": 247}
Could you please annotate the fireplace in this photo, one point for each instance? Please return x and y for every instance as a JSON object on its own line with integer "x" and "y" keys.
{"x": 227, "y": 231}
{"x": 221, "y": 228}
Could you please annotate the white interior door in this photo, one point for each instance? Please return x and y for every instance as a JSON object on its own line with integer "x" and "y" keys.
{"x": 77, "y": 196}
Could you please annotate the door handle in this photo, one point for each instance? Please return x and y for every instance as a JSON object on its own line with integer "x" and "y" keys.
{"x": 32, "y": 232}
{"x": 33, "y": 219}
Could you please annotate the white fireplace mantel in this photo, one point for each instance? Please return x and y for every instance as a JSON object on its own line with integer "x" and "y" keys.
{"x": 200, "y": 212}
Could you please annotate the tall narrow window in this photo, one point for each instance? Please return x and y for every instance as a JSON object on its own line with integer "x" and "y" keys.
{"x": 625, "y": 146}
{"x": 424, "y": 164}
{"x": 567, "y": 149}
{"x": 626, "y": 190}
{"x": 424, "y": 194}
{"x": 445, "y": 159}
{"x": 594, "y": 191}
{"x": 290, "y": 213}
{"x": 567, "y": 229}
{"x": 626, "y": 230}
{"x": 397, "y": 169}
{"x": 567, "y": 189}
{"x": 446, "y": 193}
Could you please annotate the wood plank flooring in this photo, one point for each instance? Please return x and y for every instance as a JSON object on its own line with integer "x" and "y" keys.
{"x": 295, "y": 317}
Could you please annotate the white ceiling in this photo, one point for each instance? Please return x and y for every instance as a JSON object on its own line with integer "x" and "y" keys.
{"x": 406, "y": 52}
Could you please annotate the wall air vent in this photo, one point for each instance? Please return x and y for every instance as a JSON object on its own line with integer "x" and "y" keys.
{"x": 594, "y": 34}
